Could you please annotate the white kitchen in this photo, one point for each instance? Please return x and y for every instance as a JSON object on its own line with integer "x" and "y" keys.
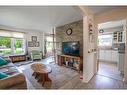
{"x": 111, "y": 49}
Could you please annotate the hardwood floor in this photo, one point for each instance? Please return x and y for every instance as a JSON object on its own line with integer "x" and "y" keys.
{"x": 109, "y": 70}
{"x": 108, "y": 77}
{"x": 97, "y": 82}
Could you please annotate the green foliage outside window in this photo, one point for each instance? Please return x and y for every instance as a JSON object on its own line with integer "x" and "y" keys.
{"x": 4, "y": 41}
{"x": 18, "y": 43}
{"x": 5, "y": 46}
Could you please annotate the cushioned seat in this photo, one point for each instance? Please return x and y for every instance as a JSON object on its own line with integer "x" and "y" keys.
{"x": 14, "y": 79}
{"x": 3, "y": 75}
{"x": 7, "y": 65}
{"x": 36, "y": 55}
{"x": 13, "y": 82}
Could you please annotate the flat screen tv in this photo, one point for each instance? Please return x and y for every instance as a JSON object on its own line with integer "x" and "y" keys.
{"x": 71, "y": 48}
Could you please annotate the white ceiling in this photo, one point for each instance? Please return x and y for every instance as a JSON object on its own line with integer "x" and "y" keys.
{"x": 41, "y": 18}
{"x": 111, "y": 24}
{"x": 100, "y": 9}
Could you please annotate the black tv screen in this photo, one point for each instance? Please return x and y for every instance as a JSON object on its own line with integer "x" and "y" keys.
{"x": 71, "y": 48}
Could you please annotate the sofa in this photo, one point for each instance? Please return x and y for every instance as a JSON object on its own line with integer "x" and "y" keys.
{"x": 15, "y": 79}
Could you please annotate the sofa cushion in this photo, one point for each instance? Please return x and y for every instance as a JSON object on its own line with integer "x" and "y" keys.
{"x": 7, "y": 65}
{"x": 3, "y": 61}
{"x": 3, "y": 75}
{"x": 37, "y": 56}
{"x": 12, "y": 82}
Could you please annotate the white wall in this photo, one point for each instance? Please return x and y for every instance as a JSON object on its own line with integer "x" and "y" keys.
{"x": 88, "y": 58}
{"x": 40, "y": 39}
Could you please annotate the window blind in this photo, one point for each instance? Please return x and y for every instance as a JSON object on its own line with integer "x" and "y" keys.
{"x": 11, "y": 34}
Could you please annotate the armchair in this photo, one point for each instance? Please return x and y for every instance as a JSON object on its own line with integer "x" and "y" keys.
{"x": 35, "y": 54}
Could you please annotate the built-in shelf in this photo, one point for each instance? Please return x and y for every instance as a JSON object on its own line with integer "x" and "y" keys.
{"x": 72, "y": 62}
{"x": 118, "y": 37}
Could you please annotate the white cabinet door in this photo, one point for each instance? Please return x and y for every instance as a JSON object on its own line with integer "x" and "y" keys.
{"x": 105, "y": 55}
{"x": 115, "y": 57}
{"x": 121, "y": 62}
{"x": 109, "y": 55}
{"x": 101, "y": 54}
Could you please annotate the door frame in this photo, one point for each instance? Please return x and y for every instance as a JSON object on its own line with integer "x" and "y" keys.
{"x": 125, "y": 63}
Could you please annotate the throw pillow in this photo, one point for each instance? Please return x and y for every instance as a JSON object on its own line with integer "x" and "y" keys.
{"x": 3, "y": 75}
{"x": 3, "y": 61}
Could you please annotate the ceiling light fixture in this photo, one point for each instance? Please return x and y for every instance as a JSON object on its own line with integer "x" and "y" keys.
{"x": 101, "y": 31}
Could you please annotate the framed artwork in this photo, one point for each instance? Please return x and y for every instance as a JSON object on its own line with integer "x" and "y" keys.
{"x": 30, "y": 44}
{"x": 34, "y": 38}
{"x": 34, "y": 42}
{"x": 37, "y": 44}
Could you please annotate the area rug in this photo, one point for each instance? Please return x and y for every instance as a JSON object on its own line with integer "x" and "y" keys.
{"x": 60, "y": 76}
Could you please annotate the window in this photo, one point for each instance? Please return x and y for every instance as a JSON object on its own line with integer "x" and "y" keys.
{"x": 105, "y": 40}
{"x": 49, "y": 43}
{"x": 19, "y": 46}
{"x": 5, "y": 45}
{"x": 11, "y": 43}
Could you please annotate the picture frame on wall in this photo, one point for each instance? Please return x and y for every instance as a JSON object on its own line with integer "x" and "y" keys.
{"x": 34, "y": 42}
{"x": 34, "y": 38}
{"x": 37, "y": 44}
{"x": 30, "y": 44}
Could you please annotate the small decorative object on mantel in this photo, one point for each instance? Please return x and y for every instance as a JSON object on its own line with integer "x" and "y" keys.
{"x": 33, "y": 42}
{"x": 69, "y": 31}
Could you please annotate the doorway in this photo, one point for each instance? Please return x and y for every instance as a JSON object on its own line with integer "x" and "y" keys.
{"x": 49, "y": 46}
{"x": 111, "y": 49}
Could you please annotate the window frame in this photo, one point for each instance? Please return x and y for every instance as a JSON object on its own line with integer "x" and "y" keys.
{"x": 13, "y": 46}
{"x": 110, "y": 38}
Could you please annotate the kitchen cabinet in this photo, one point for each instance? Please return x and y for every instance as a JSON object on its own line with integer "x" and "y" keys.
{"x": 108, "y": 55}
{"x": 121, "y": 62}
{"x": 119, "y": 37}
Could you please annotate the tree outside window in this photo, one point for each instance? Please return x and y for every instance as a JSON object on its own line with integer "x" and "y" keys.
{"x": 19, "y": 46}
{"x": 6, "y": 44}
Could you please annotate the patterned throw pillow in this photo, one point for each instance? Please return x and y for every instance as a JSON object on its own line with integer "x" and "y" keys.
{"x": 3, "y": 75}
{"x": 3, "y": 61}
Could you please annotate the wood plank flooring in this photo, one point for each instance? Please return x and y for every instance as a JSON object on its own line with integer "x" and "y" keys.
{"x": 109, "y": 70}
{"x": 97, "y": 82}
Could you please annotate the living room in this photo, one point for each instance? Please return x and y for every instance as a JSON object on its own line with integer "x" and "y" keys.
{"x": 24, "y": 44}
{"x": 59, "y": 61}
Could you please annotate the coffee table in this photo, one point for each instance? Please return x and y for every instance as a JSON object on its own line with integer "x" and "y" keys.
{"x": 41, "y": 72}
